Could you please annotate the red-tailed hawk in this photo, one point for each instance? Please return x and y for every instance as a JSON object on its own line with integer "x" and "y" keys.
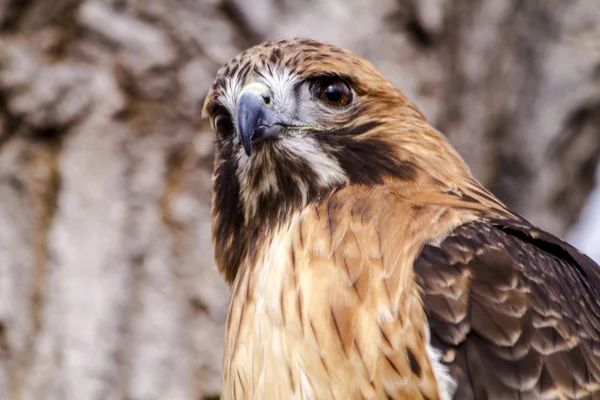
{"x": 366, "y": 261}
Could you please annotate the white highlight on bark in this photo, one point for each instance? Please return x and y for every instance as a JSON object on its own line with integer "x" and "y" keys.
{"x": 585, "y": 235}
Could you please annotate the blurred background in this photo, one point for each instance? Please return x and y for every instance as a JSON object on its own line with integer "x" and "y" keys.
{"x": 107, "y": 284}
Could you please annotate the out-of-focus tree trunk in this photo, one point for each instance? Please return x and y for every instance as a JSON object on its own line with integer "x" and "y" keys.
{"x": 107, "y": 283}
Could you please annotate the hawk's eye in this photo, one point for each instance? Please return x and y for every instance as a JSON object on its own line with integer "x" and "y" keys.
{"x": 333, "y": 92}
{"x": 223, "y": 124}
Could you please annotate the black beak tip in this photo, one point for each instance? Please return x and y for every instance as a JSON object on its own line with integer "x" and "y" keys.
{"x": 247, "y": 146}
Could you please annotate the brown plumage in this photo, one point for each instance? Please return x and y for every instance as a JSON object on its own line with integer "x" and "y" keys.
{"x": 366, "y": 261}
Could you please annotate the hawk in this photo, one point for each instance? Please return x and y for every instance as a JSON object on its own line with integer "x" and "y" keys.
{"x": 364, "y": 259}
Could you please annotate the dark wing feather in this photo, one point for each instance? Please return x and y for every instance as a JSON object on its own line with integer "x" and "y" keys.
{"x": 515, "y": 312}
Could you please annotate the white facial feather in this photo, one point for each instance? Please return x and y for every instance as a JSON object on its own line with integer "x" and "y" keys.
{"x": 296, "y": 147}
{"x": 281, "y": 82}
{"x": 292, "y": 145}
{"x": 232, "y": 91}
{"x": 326, "y": 167}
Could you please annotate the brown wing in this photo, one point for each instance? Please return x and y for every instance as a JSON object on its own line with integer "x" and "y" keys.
{"x": 515, "y": 312}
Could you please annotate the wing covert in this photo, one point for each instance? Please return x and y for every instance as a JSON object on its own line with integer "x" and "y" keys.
{"x": 515, "y": 312}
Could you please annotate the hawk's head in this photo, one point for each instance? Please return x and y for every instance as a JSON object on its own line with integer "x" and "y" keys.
{"x": 296, "y": 119}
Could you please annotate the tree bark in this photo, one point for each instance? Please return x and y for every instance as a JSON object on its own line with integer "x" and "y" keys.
{"x": 107, "y": 284}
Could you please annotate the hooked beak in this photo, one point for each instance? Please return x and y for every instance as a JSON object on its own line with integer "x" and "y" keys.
{"x": 255, "y": 120}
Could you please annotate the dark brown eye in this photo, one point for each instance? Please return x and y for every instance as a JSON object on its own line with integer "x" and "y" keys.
{"x": 223, "y": 124}
{"x": 334, "y": 92}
